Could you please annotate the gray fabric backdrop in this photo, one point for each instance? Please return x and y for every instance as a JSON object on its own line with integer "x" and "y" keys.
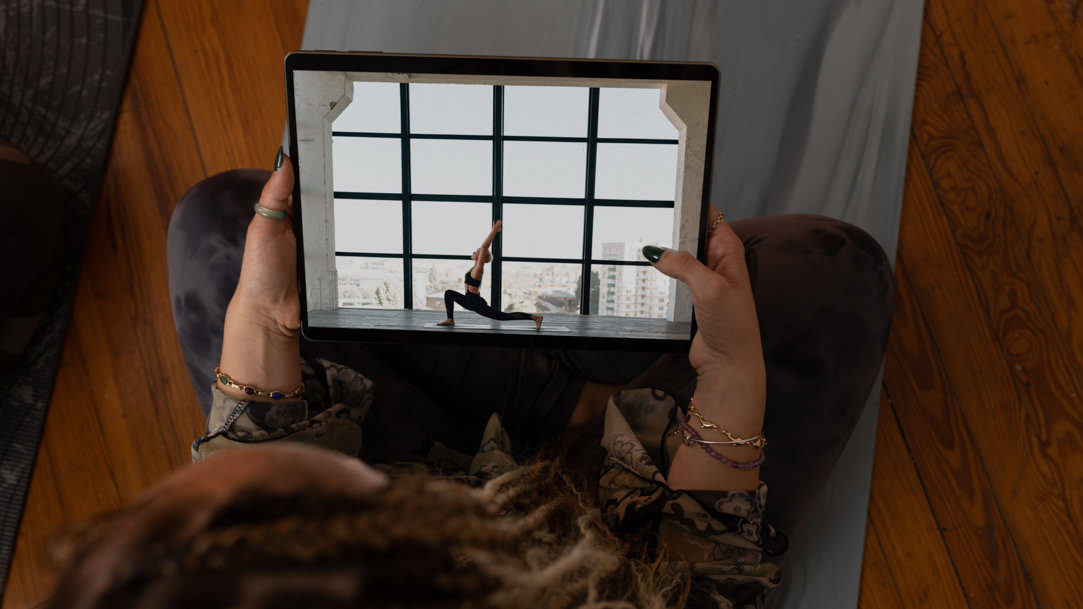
{"x": 814, "y": 116}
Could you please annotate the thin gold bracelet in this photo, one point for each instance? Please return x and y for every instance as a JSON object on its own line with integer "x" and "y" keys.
{"x": 757, "y": 441}
{"x": 250, "y": 390}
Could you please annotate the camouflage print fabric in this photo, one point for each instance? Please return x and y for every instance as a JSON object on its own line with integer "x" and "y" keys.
{"x": 721, "y": 533}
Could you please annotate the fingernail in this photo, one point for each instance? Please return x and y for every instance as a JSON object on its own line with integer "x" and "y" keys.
{"x": 653, "y": 253}
{"x": 278, "y": 159}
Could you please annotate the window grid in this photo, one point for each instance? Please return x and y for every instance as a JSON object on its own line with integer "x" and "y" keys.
{"x": 497, "y": 198}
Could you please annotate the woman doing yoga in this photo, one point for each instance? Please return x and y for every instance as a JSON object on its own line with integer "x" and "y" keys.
{"x": 472, "y": 300}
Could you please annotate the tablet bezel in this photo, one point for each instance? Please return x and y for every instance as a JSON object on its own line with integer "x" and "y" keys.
{"x": 494, "y": 66}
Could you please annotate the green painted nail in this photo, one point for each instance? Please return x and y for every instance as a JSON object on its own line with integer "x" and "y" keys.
{"x": 653, "y": 253}
{"x": 278, "y": 159}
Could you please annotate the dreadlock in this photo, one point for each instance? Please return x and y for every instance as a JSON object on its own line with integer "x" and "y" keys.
{"x": 529, "y": 538}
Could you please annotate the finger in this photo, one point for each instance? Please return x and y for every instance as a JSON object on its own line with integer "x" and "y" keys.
{"x": 725, "y": 250}
{"x": 278, "y": 190}
{"x": 685, "y": 268}
{"x": 713, "y": 216}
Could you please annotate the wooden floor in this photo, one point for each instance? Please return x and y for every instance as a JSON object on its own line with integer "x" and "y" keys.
{"x": 978, "y": 485}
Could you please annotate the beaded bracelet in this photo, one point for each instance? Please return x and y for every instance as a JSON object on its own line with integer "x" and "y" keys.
{"x": 250, "y": 390}
{"x": 757, "y": 441}
{"x": 691, "y": 437}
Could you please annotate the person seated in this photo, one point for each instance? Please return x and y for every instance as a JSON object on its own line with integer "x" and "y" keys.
{"x": 494, "y": 477}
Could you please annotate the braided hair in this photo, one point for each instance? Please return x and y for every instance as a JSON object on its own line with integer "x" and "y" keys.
{"x": 528, "y": 538}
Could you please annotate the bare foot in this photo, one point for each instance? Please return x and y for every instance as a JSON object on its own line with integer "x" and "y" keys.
{"x": 537, "y": 321}
{"x": 447, "y": 322}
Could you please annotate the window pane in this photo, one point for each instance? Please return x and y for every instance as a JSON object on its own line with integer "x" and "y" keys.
{"x": 451, "y": 109}
{"x": 629, "y": 291}
{"x": 535, "y": 287}
{"x": 545, "y": 169}
{"x": 367, "y": 164}
{"x": 546, "y": 111}
{"x": 455, "y": 229}
{"x": 633, "y": 113}
{"x": 543, "y": 231}
{"x": 432, "y": 277}
{"x": 364, "y": 226}
{"x": 621, "y": 232}
{"x": 369, "y": 283}
{"x": 375, "y": 108}
{"x": 636, "y": 171}
{"x": 451, "y": 167}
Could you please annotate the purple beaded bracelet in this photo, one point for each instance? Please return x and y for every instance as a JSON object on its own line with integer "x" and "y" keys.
{"x": 690, "y": 437}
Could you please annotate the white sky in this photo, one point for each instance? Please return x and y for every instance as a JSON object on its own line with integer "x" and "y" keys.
{"x": 544, "y": 169}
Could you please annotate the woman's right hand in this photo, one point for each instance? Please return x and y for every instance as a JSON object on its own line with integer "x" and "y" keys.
{"x": 731, "y": 386}
{"x": 727, "y": 341}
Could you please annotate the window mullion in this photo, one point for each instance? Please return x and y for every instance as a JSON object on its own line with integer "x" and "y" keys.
{"x": 407, "y": 204}
{"x": 588, "y": 211}
{"x": 498, "y": 193}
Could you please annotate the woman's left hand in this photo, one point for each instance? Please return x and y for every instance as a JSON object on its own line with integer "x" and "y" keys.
{"x": 261, "y": 344}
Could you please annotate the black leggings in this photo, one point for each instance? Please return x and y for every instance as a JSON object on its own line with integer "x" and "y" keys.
{"x": 472, "y": 301}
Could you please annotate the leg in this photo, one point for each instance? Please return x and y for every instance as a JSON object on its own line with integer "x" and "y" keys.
{"x": 481, "y": 307}
{"x": 204, "y": 247}
{"x": 451, "y": 298}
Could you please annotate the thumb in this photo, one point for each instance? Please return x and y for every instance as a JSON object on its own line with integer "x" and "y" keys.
{"x": 276, "y": 192}
{"x": 682, "y": 266}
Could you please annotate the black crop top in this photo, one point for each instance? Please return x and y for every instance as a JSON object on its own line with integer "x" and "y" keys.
{"x": 471, "y": 281}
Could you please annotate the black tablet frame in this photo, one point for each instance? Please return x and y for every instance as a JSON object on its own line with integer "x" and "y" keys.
{"x": 328, "y": 61}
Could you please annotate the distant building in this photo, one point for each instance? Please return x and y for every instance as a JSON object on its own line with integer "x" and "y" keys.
{"x": 556, "y": 301}
{"x": 630, "y": 290}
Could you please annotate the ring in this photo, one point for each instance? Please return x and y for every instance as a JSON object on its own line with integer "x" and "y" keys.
{"x": 269, "y": 213}
{"x": 717, "y": 222}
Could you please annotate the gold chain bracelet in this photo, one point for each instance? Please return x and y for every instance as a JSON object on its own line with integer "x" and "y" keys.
{"x": 757, "y": 441}
{"x": 250, "y": 390}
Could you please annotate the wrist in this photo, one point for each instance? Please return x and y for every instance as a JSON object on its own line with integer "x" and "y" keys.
{"x": 258, "y": 352}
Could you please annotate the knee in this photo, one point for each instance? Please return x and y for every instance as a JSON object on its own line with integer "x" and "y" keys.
{"x": 220, "y": 200}
{"x": 844, "y": 260}
{"x": 824, "y": 289}
{"x": 867, "y": 276}
{"x": 215, "y": 211}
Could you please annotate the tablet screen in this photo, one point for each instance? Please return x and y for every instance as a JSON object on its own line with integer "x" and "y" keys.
{"x": 405, "y": 163}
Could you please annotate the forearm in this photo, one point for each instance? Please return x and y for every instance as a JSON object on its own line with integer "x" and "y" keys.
{"x": 734, "y": 400}
{"x": 252, "y": 354}
{"x": 492, "y": 235}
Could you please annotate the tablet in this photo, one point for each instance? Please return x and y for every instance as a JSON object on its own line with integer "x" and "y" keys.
{"x": 405, "y": 163}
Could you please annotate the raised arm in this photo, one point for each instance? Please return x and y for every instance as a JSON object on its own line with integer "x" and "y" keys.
{"x": 479, "y": 263}
{"x": 492, "y": 235}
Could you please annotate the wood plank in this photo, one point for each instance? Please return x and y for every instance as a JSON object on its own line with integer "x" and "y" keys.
{"x": 878, "y": 588}
{"x": 903, "y": 530}
{"x": 950, "y": 467}
{"x": 953, "y": 205}
{"x": 228, "y": 57}
{"x": 1011, "y": 403}
{"x": 1025, "y": 107}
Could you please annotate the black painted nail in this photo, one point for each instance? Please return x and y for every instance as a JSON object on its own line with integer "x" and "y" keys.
{"x": 653, "y": 253}
{"x": 278, "y": 159}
